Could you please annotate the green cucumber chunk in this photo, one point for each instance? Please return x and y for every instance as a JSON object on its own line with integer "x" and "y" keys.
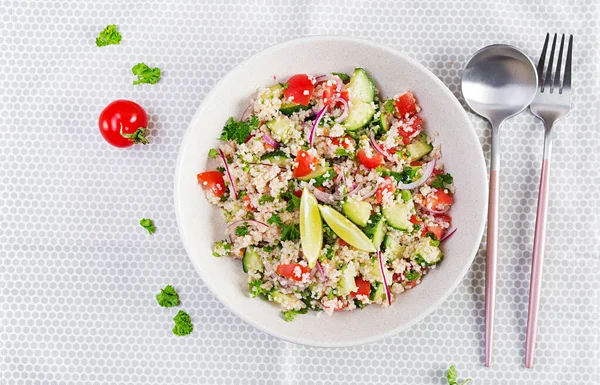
{"x": 251, "y": 260}
{"x": 281, "y": 128}
{"x": 397, "y": 216}
{"x": 278, "y": 157}
{"x": 376, "y": 229}
{"x": 317, "y": 172}
{"x": 357, "y": 211}
{"x": 418, "y": 149}
{"x": 346, "y": 284}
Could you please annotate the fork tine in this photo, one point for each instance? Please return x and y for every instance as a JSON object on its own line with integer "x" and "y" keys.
{"x": 540, "y": 66}
{"x": 548, "y": 79}
{"x": 558, "y": 63}
{"x": 567, "y": 80}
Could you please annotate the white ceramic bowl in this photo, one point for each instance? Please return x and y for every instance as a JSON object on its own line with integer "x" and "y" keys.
{"x": 200, "y": 224}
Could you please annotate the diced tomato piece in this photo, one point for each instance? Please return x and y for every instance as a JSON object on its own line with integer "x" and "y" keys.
{"x": 343, "y": 141}
{"x": 413, "y": 127}
{"x": 363, "y": 287}
{"x": 298, "y": 193}
{"x": 305, "y": 164}
{"x": 414, "y": 220}
{"x": 406, "y": 105}
{"x": 300, "y": 89}
{"x": 247, "y": 205}
{"x": 410, "y": 284}
{"x": 388, "y": 185}
{"x": 416, "y": 163}
{"x": 329, "y": 95}
{"x": 342, "y": 306}
{"x": 438, "y": 200}
{"x": 445, "y": 218}
{"x": 369, "y": 162}
{"x": 292, "y": 271}
{"x": 436, "y": 230}
{"x": 213, "y": 181}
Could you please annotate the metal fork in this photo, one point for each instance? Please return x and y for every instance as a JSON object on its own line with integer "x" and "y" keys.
{"x": 552, "y": 102}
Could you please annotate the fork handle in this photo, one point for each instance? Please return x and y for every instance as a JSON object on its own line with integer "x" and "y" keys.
{"x": 537, "y": 258}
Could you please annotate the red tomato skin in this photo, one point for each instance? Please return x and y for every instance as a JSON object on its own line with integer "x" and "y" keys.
{"x": 436, "y": 230}
{"x": 214, "y": 182}
{"x": 305, "y": 161}
{"x": 406, "y": 105}
{"x": 121, "y": 112}
{"x": 287, "y": 271}
{"x": 388, "y": 185}
{"x": 369, "y": 162}
{"x": 438, "y": 198}
{"x": 297, "y": 85}
{"x": 414, "y": 127}
{"x": 341, "y": 242}
{"x": 342, "y": 141}
{"x": 363, "y": 287}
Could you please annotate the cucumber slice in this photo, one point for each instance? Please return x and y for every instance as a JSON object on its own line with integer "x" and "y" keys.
{"x": 317, "y": 172}
{"x": 276, "y": 157}
{"x": 397, "y": 216}
{"x": 251, "y": 260}
{"x": 288, "y": 108}
{"x": 377, "y": 292}
{"x": 346, "y": 284}
{"x": 281, "y": 128}
{"x": 361, "y": 86}
{"x": 427, "y": 252}
{"x": 392, "y": 246}
{"x": 419, "y": 149}
{"x": 281, "y": 298}
{"x": 357, "y": 211}
{"x": 359, "y": 116}
{"x": 361, "y": 93}
{"x": 376, "y": 229}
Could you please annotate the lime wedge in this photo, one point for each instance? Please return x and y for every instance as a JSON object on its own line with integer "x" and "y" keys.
{"x": 311, "y": 228}
{"x": 346, "y": 230}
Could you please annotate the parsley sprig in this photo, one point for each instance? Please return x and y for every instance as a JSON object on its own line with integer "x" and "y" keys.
{"x": 442, "y": 180}
{"x": 108, "y": 36}
{"x": 183, "y": 324}
{"x": 168, "y": 297}
{"x": 148, "y": 225}
{"x": 239, "y": 131}
{"x": 452, "y": 377}
{"x": 145, "y": 74}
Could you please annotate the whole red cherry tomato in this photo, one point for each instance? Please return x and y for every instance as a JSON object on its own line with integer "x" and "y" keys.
{"x": 123, "y": 123}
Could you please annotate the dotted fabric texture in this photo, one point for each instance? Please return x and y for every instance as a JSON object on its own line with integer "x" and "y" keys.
{"x": 78, "y": 275}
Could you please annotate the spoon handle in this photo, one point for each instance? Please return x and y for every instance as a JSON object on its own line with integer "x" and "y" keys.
{"x": 537, "y": 258}
{"x": 492, "y": 246}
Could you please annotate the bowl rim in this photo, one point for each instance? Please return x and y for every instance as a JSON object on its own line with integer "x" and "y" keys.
{"x": 214, "y": 290}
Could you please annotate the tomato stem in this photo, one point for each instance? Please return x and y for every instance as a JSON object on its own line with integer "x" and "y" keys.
{"x": 139, "y": 136}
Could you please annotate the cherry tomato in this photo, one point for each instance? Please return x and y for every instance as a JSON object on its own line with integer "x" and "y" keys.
{"x": 213, "y": 181}
{"x": 300, "y": 89}
{"x": 363, "y": 287}
{"x": 343, "y": 141}
{"x": 369, "y": 162}
{"x": 438, "y": 200}
{"x": 387, "y": 186}
{"x": 328, "y": 94}
{"x": 306, "y": 164}
{"x": 436, "y": 230}
{"x": 406, "y": 105}
{"x": 123, "y": 123}
{"x": 289, "y": 271}
{"x": 413, "y": 127}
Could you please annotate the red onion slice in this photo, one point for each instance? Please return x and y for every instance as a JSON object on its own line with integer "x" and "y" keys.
{"x": 387, "y": 290}
{"x": 432, "y": 211}
{"x": 316, "y": 124}
{"x": 369, "y": 194}
{"x": 243, "y": 116}
{"x": 334, "y": 78}
{"x": 270, "y": 141}
{"x": 326, "y": 197}
{"x": 427, "y": 171}
{"x": 345, "y": 110}
{"x": 448, "y": 235}
{"x": 228, "y": 174}
{"x": 356, "y": 189}
{"x": 322, "y": 271}
{"x": 378, "y": 149}
{"x": 248, "y": 221}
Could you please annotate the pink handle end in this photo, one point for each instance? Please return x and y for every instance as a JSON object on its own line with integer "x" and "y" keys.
{"x": 537, "y": 262}
{"x": 491, "y": 266}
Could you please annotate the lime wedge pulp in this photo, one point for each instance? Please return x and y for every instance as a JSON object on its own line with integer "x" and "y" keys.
{"x": 311, "y": 228}
{"x": 346, "y": 230}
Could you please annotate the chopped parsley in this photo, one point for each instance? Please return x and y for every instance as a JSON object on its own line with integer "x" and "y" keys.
{"x": 167, "y": 297}
{"x": 289, "y": 315}
{"x": 239, "y": 131}
{"x": 285, "y": 86}
{"x": 442, "y": 180}
{"x": 274, "y": 220}
{"x": 293, "y": 202}
{"x": 412, "y": 275}
{"x": 329, "y": 233}
{"x": 242, "y": 230}
{"x": 268, "y": 249}
{"x": 145, "y": 74}
{"x": 183, "y": 324}
{"x": 212, "y": 153}
{"x": 345, "y": 77}
{"x": 329, "y": 252}
{"x": 148, "y": 225}
{"x": 341, "y": 151}
{"x": 108, "y": 36}
{"x": 222, "y": 248}
{"x": 388, "y": 106}
{"x": 407, "y": 175}
{"x": 255, "y": 288}
{"x": 452, "y": 377}
{"x": 241, "y": 194}
{"x": 359, "y": 304}
{"x": 290, "y": 232}
{"x": 264, "y": 199}
{"x": 221, "y": 169}
{"x": 320, "y": 180}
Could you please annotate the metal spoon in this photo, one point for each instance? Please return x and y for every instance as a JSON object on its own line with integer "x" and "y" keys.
{"x": 499, "y": 82}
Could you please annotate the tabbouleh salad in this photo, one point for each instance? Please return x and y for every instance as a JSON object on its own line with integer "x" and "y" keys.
{"x": 334, "y": 196}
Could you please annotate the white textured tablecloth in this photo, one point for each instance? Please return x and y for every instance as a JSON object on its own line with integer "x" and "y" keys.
{"x": 78, "y": 275}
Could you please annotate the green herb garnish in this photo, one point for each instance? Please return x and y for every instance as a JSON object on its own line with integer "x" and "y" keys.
{"x": 212, "y": 153}
{"x": 239, "y": 131}
{"x": 289, "y": 315}
{"x": 345, "y": 77}
{"x": 274, "y": 220}
{"x": 108, "y": 36}
{"x": 167, "y": 297}
{"x": 442, "y": 180}
{"x": 264, "y": 199}
{"x": 290, "y": 232}
{"x": 412, "y": 275}
{"x": 145, "y": 74}
{"x": 242, "y": 230}
{"x": 148, "y": 225}
{"x": 183, "y": 324}
{"x": 452, "y": 377}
